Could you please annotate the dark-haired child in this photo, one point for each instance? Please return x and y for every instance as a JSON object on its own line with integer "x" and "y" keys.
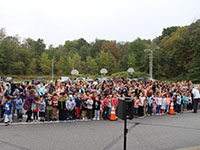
{"x": 8, "y": 105}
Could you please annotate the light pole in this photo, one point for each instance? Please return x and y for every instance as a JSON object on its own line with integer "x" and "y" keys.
{"x": 52, "y": 66}
{"x": 150, "y": 62}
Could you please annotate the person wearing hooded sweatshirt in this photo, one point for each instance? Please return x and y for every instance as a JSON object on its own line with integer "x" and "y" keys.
{"x": 70, "y": 105}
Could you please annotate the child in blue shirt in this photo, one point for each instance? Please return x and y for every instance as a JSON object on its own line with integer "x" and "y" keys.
{"x": 8, "y": 105}
{"x": 18, "y": 103}
{"x": 42, "y": 106}
{"x": 178, "y": 103}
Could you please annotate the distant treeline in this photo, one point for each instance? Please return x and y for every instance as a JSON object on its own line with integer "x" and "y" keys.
{"x": 176, "y": 55}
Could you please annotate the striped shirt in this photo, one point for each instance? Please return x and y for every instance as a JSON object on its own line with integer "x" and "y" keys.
{"x": 28, "y": 102}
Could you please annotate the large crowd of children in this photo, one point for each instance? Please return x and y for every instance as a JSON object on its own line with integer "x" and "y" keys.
{"x": 92, "y": 100}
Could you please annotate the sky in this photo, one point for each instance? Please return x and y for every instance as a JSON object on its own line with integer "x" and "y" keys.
{"x": 56, "y": 21}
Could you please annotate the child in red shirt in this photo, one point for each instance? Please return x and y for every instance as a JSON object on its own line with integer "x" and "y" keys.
{"x": 55, "y": 101}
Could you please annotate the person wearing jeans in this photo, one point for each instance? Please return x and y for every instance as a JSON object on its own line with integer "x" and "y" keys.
{"x": 18, "y": 103}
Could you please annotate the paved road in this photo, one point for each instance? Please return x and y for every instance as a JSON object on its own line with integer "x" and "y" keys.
{"x": 152, "y": 133}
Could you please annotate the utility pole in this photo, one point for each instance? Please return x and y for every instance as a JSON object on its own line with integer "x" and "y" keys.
{"x": 150, "y": 62}
{"x": 52, "y": 67}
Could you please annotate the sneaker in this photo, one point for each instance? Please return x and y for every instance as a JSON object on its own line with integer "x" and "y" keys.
{"x": 98, "y": 119}
{"x": 94, "y": 118}
{"x": 141, "y": 117}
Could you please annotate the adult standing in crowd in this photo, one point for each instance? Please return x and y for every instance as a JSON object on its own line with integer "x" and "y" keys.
{"x": 1, "y": 103}
{"x": 30, "y": 98}
{"x": 196, "y": 97}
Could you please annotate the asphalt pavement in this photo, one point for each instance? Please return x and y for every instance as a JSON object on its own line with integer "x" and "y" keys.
{"x": 181, "y": 131}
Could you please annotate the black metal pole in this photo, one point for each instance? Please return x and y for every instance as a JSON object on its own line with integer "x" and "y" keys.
{"x": 125, "y": 128}
{"x": 125, "y": 132}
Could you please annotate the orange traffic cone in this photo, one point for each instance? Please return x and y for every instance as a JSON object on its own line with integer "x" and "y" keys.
{"x": 112, "y": 115}
{"x": 171, "y": 110}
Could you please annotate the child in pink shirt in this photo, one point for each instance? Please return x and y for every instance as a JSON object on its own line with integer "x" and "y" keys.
{"x": 136, "y": 106}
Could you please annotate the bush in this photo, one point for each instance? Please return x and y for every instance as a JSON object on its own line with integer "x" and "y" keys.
{"x": 134, "y": 75}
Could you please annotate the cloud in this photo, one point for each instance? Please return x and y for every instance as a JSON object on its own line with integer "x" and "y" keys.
{"x": 123, "y": 20}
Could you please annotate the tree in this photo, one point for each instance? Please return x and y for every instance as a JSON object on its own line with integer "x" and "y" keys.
{"x": 68, "y": 65}
{"x": 18, "y": 68}
{"x": 91, "y": 65}
{"x": 60, "y": 66}
{"x": 7, "y": 54}
{"x": 45, "y": 64}
{"x": 137, "y": 48}
{"x": 110, "y": 46}
{"x": 96, "y": 48}
{"x": 32, "y": 68}
{"x": 76, "y": 61}
{"x": 83, "y": 68}
{"x": 131, "y": 61}
{"x": 2, "y": 34}
{"x": 108, "y": 61}
{"x": 103, "y": 60}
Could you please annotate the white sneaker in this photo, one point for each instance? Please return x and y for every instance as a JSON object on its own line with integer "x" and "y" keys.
{"x": 94, "y": 118}
{"x": 98, "y": 119}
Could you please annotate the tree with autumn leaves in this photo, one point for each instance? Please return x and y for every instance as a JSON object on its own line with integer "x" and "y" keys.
{"x": 176, "y": 59}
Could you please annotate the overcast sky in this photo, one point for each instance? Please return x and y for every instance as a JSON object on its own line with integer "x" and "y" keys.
{"x": 56, "y": 21}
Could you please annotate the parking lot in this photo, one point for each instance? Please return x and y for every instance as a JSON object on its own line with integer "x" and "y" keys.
{"x": 152, "y": 133}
